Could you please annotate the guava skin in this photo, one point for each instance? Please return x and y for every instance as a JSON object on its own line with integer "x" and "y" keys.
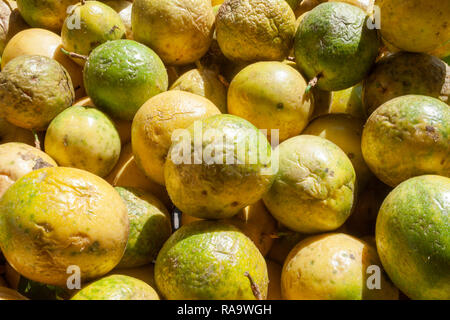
{"x": 117, "y": 287}
{"x": 214, "y": 190}
{"x": 121, "y": 75}
{"x": 334, "y": 44}
{"x": 34, "y": 90}
{"x": 123, "y": 8}
{"x": 255, "y": 30}
{"x": 406, "y": 73}
{"x": 47, "y": 14}
{"x": 83, "y": 138}
{"x": 208, "y": 260}
{"x": 11, "y": 22}
{"x": 413, "y": 237}
{"x": 408, "y": 136}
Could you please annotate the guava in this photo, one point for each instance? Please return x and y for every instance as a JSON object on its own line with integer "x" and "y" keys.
{"x": 154, "y": 125}
{"x": 406, "y": 137}
{"x": 123, "y": 8}
{"x": 254, "y": 30}
{"x": 121, "y": 75}
{"x": 117, "y": 287}
{"x": 34, "y": 90}
{"x": 209, "y": 260}
{"x": 272, "y": 96}
{"x": 56, "y": 218}
{"x": 184, "y": 28}
{"x": 333, "y": 267}
{"x": 333, "y": 46}
{"x": 11, "y": 22}
{"x": 150, "y": 227}
{"x": 413, "y": 237}
{"x": 216, "y": 171}
{"x": 11, "y": 133}
{"x": 314, "y": 189}
{"x": 406, "y": 73}
{"x": 83, "y": 138}
{"x": 10, "y": 294}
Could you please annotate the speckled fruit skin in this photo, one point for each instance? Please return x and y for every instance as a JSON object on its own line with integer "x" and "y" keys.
{"x": 99, "y": 23}
{"x": 408, "y": 136}
{"x": 333, "y": 42}
{"x": 83, "y": 138}
{"x": 47, "y": 14}
{"x": 333, "y": 267}
{"x": 345, "y": 131}
{"x": 18, "y": 159}
{"x": 204, "y": 83}
{"x": 121, "y": 75}
{"x": 54, "y": 218}
{"x": 207, "y": 260}
{"x": 117, "y": 287}
{"x": 415, "y": 25}
{"x": 214, "y": 190}
{"x": 255, "y": 30}
{"x": 185, "y": 28}
{"x": 150, "y": 227}
{"x": 406, "y": 73}
{"x": 413, "y": 237}
{"x": 34, "y": 90}
{"x": 123, "y": 8}
{"x": 35, "y": 41}
{"x": 314, "y": 190}
{"x": 156, "y": 121}
{"x": 271, "y": 95}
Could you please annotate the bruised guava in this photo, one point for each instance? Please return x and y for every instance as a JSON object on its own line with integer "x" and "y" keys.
{"x": 413, "y": 237}
{"x": 408, "y": 136}
{"x": 217, "y": 167}
{"x": 157, "y": 120}
{"x": 334, "y": 266}
{"x": 83, "y": 138}
{"x": 18, "y": 159}
{"x": 209, "y": 260}
{"x": 117, "y": 287}
{"x": 121, "y": 75}
{"x": 98, "y": 23}
{"x": 34, "y": 90}
{"x": 314, "y": 189}
{"x": 271, "y": 95}
{"x": 184, "y": 28}
{"x": 334, "y": 45}
{"x": 54, "y": 218}
{"x": 406, "y": 73}
{"x": 150, "y": 227}
{"x": 255, "y": 30}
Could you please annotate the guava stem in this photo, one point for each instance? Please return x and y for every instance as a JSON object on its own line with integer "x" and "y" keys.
{"x": 255, "y": 288}
{"x": 279, "y": 235}
{"x": 73, "y": 54}
{"x": 290, "y": 59}
{"x": 83, "y": 2}
{"x": 37, "y": 143}
{"x": 313, "y": 82}
{"x": 223, "y": 80}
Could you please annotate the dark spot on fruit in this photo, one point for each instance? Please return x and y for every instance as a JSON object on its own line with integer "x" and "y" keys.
{"x": 352, "y": 256}
{"x": 204, "y": 192}
{"x": 430, "y": 129}
{"x": 39, "y": 164}
{"x": 331, "y": 173}
{"x": 66, "y": 140}
{"x": 235, "y": 204}
{"x": 351, "y": 155}
{"x": 280, "y": 106}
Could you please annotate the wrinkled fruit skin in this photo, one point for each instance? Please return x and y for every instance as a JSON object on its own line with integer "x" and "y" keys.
{"x": 212, "y": 190}
{"x": 408, "y": 136}
{"x": 83, "y": 138}
{"x": 207, "y": 260}
{"x": 98, "y": 23}
{"x": 121, "y": 75}
{"x": 271, "y": 95}
{"x": 415, "y": 25}
{"x": 333, "y": 267}
{"x": 34, "y": 90}
{"x": 54, "y": 218}
{"x": 413, "y": 237}
{"x": 47, "y": 14}
{"x": 185, "y": 28}
{"x": 255, "y": 30}
{"x": 406, "y": 73}
{"x": 150, "y": 227}
{"x": 314, "y": 190}
{"x": 117, "y": 287}
{"x": 334, "y": 43}
{"x": 18, "y": 159}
